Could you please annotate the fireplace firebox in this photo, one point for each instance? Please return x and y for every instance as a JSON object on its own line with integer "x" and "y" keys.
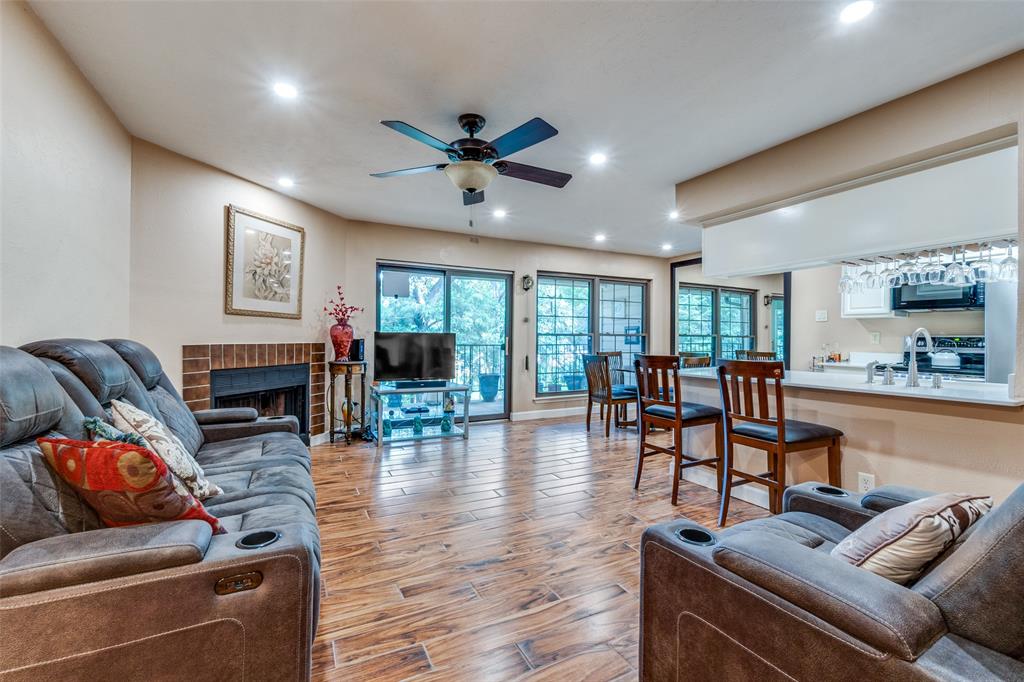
{"x": 273, "y": 391}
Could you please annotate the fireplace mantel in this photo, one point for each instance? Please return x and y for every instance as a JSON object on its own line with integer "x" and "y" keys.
{"x": 199, "y": 359}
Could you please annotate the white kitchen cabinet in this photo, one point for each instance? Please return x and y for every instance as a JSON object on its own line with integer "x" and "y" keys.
{"x": 867, "y": 302}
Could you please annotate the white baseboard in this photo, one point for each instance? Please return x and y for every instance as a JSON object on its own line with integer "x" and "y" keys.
{"x": 548, "y": 414}
{"x": 706, "y": 477}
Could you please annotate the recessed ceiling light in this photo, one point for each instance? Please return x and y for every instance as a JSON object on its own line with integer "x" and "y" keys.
{"x": 666, "y": 247}
{"x": 285, "y": 182}
{"x": 286, "y": 90}
{"x": 856, "y": 11}
{"x": 674, "y": 215}
{"x": 499, "y": 213}
{"x": 597, "y": 159}
{"x": 599, "y": 237}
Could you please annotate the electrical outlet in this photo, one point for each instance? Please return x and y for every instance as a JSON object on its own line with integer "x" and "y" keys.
{"x": 865, "y": 482}
{"x": 876, "y": 338}
{"x": 821, "y": 316}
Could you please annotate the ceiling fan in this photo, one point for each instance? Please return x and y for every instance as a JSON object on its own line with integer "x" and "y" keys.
{"x": 475, "y": 162}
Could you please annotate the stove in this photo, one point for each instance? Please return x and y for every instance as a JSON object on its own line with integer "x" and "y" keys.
{"x": 964, "y": 357}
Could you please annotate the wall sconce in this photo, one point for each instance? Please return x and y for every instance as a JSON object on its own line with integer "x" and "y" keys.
{"x": 527, "y": 282}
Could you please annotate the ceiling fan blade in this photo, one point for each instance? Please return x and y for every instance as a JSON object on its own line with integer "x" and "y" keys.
{"x": 418, "y": 135}
{"x": 410, "y": 171}
{"x": 522, "y": 171}
{"x": 474, "y": 198}
{"x": 530, "y": 133}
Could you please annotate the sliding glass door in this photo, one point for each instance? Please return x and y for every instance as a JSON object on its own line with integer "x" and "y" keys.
{"x": 473, "y": 305}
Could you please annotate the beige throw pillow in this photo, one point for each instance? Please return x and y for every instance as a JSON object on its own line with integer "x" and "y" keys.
{"x": 899, "y": 543}
{"x": 160, "y": 440}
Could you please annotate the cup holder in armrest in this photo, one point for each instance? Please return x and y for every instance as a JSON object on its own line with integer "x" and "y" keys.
{"x": 696, "y": 536}
{"x": 260, "y": 538}
{"x": 831, "y": 490}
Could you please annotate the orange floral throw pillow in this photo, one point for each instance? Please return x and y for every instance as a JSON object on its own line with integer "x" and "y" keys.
{"x": 126, "y": 484}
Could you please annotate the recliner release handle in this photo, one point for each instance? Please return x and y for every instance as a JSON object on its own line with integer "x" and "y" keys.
{"x": 239, "y": 583}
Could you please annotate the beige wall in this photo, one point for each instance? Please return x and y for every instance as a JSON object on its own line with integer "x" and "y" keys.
{"x": 981, "y": 104}
{"x": 66, "y": 179}
{"x": 765, "y": 285}
{"x": 177, "y": 265}
{"x": 817, "y": 289}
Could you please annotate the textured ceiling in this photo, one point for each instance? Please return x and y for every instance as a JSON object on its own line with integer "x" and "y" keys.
{"x": 667, "y": 90}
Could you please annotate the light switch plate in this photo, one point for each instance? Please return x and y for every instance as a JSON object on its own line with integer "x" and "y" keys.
{"x": 821, "y": 316}
{"x": 865, "y": 482}
{"x": 876, "y": 338}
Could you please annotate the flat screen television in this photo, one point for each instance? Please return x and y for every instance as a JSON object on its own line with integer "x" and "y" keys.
{"x": 410, "y": 356}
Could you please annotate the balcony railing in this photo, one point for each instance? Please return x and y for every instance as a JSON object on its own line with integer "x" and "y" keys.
{"x": 475, "y": 359}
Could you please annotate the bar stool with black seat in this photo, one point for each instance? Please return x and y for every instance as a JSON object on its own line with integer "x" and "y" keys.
{"x": 749, "y": 421}
{"x": 600, "y": 390}
{"x": 660, "y": 404}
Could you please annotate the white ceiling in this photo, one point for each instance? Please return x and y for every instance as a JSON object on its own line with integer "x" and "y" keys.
{"x": 667, "y": 90}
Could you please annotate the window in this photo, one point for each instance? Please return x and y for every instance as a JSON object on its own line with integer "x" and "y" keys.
{"x": 779, "y": 327}
{"x": 714, "y": 320}
{"x": 573, "y": 311}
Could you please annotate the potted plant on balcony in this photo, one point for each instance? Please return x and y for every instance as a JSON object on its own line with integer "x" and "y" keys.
{"x": 341, "y": 331}
{"x": 489, "y": 387}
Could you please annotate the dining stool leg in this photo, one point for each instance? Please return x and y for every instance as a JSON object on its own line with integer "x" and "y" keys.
{"x": 590, "y": 408}
{"x": 608, "y": 421}
{"x": 641, "y": 445}
{"x": 723, "y": 510}
{"x": 719, "y": 454}
{"x": 835, "y": 464}
{"x": 677, "y": 471}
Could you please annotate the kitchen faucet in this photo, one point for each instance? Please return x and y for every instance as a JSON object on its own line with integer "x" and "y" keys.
{"x": 912, "y": 380}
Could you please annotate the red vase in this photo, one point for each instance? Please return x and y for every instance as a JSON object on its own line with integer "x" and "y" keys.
{"x": 341, "y": 339}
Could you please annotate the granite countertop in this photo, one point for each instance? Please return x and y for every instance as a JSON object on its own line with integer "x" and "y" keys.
{"x": 976, "y": 392}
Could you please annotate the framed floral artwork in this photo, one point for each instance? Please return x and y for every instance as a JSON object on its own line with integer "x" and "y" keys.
{"x": 263, "y": 265}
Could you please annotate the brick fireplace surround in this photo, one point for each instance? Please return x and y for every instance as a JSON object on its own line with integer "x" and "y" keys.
{"x": 198, "y": 360}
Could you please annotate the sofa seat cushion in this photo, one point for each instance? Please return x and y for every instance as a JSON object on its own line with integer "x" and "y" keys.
{"x": 292, "y": 479}
{"x": 690, "y": 411}
{"x": 806, "y": 529}
{"x": 268, "y": 449}
{"x": 796, "y": 431}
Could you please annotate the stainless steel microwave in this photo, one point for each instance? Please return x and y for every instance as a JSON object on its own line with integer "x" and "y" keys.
{"x": 938, "y": 297}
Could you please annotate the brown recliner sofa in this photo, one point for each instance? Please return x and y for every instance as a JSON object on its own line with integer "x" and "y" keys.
{"x": 79, "y": 601}
{"x": 764, "y": 600}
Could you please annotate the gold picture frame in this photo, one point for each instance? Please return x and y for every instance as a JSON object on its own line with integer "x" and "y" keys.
{"x": 262, "y": 274}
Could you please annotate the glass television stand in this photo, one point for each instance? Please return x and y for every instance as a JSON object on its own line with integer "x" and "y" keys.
{"x": 418, "y": 410}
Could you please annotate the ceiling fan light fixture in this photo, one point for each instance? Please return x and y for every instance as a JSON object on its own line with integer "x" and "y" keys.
{"x": 470, "y": 176}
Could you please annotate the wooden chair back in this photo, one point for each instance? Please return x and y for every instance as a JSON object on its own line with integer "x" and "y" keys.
{"x": 696, "y": 361}
{"x": 598, "y": 377}
{"x": 741, "y": 381}
{"x": 614, "y": 363}
{"x": 657, "y": 382}
{"x": 762, "y": 355}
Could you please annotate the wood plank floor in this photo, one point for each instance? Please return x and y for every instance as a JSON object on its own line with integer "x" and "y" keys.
{"x": 512, "y": 556}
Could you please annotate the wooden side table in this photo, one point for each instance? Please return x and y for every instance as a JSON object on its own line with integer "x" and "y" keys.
{"x": 347, "y": 370}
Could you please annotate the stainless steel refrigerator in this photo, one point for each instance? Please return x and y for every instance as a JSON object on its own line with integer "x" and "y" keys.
{"x": 1001, "y": 310}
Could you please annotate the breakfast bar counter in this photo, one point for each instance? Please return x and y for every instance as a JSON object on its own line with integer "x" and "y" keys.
{"x": 973, "y": 392}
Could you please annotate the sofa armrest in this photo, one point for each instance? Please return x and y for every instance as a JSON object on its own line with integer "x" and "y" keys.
{"x": 226, "y": 415}
{"x": 842, "y": 506}
{"x": 218, "y": 432}
{"x": 886, "y": 497}
{"x": 876, "y": 611}
{"x": 77, "y": 558}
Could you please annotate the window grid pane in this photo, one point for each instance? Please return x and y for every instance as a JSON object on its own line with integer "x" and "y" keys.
{"x": 695, "y": 318}
{"x": 736, "y": 322}
{"x": 621, "y": 323}
{"x": 563, "y": 333}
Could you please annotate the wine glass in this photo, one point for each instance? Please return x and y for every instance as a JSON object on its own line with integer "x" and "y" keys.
{"x": 892, "y": 276}
{"x": 1008, "y": 268}
{"x": 984, "y": 269}
{"x": 846, "y": 282}
{"x": 908, "y": 271}
{"x": 956, "y": 273}
{"x": 864, "y": 278}
{"x": 934, "y": 270}
{"x": 875, "y": 280}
